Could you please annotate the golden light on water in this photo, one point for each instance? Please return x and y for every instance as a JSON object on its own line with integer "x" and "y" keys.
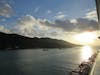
{"x": 85, "y": 38}
{"x": 86, "y": 52}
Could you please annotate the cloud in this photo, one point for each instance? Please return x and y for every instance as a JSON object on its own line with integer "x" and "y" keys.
{"x": 24, "y": 26}
{"x": 3, "y": 29}
{"x": 86, "y": 24}
{"x": 60, "y": 15}
{"x": 2, "y": 20}
{"x": 73, "y": 20}
{"x": 5, "y": 10}
{"x": 57, "y": 24}
{"x": 36, "y": 9}
{"x": 79, "y": 25}
{"x": 49, "y": 11}
{"x": 92, "y": 15}
{"x": 29, "y": 26}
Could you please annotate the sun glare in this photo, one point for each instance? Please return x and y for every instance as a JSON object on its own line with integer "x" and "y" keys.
{"x": 85, "y": 38}
{"x": 86, "y": 52}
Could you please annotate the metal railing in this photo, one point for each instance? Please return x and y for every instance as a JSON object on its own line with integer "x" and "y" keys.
{"x": 86, "y": 67}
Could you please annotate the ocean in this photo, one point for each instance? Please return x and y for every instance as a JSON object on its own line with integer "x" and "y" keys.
{"x": 43, "y": 61}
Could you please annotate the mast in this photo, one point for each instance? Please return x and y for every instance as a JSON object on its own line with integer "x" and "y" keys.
{"x": 98, "y": 9}
{"x": 98, "y": 14}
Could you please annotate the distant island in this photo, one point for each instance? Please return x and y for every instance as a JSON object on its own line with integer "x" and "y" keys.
{"x": 15, "y": 41}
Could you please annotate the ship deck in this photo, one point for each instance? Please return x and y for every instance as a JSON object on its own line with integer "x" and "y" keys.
{"x": 97, "y": 66}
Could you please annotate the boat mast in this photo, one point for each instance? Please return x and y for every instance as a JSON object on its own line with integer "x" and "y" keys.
{"x": 98, "y": 13}
{"x": 98, "y": 9}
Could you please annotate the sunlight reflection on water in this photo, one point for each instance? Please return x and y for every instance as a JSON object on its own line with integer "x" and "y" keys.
{"x": 86, "y": 52}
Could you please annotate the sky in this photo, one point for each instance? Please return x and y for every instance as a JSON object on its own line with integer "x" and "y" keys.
{"x": 60, "y": 19}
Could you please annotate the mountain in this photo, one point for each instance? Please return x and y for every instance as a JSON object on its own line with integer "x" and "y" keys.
{"x": 15, "y": 41}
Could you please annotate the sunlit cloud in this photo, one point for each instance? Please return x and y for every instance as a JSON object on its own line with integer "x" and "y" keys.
{"x": 92, "y": 15}
{"x": 29, "y": 26}
{"x": 73, "y": 20}
{"x": 4, "y": 29}
{"x": 24, "y": 26}
{"x": 60, "y": 15}
{"x": 58, "y": 20}
{"x": 5, "y": 10}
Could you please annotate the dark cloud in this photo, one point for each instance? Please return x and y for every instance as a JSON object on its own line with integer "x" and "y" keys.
{"x": 66, "y": 25}
{"x": 82, "y": 24}
{"x": 86, "y": 24}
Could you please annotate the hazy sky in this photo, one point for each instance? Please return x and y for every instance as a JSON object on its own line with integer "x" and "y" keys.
{"x": 48, "y": 18}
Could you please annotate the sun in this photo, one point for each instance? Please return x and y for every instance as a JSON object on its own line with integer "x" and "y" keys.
{"x": 85, "y": 38}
